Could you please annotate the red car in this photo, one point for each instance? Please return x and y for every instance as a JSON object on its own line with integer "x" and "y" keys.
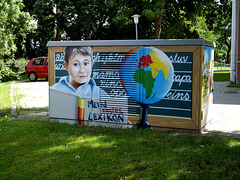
{"x": 37, "y": 68}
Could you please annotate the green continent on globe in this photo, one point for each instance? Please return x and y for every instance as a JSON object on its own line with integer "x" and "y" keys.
{"x": 145, "y": 78}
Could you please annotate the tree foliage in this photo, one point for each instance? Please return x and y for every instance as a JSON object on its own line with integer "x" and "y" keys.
{"x": 214, "y": 25}
{"x": 222, "y": 30}
{"x": 42, "y": 11}
{"x": 14, "y": 26}
{"x": 110, "y": 19}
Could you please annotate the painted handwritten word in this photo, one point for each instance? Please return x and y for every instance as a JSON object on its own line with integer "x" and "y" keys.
{"x": 182, "y": 78}
{"x": 174, "y": 95}
{"x": 108, "y": 57}
{"x": 110, "y": 84}
{"x": 178, "y": 59}
{"x": 112, "y": 110}
{"x": 99, "y": 111}
{"x": 118, "y": 92}
{"x": 59, "y": 57}
{"x": 59, "y": 66}
{"x": 106, "y": 75}
{"x": 96, "y": 104}
{"x": 106, "y": 117}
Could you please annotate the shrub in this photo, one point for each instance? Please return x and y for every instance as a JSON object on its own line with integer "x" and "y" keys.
{"x": 12, "y": 69}
{"x": 17, "y": 65}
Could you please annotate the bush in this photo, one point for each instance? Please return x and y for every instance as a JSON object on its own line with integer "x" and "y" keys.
{"x": 12, "y": 69}
{"x": 17, "y": 65}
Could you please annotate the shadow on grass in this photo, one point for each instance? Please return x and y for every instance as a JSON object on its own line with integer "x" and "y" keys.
{"x": 23, "y": 113}
{"x": 37, "y": 149}
{"x": 5, "y": 113}
{"x": 232, "y": 134}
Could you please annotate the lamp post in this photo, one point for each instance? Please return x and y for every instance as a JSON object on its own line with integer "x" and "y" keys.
{"x": 135, "y": 18}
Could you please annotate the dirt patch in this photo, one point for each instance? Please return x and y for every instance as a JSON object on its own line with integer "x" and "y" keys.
{"x": 34, "y": 94}
{"x": 30, "y": 115}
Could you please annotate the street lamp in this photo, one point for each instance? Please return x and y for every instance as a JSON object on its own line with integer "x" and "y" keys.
{"x": 135, "y": 18}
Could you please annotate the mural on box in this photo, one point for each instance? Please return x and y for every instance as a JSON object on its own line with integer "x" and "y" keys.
{"x": 207, "y": 77}
{"x": 78, "y": 62}
{"x": 148, "y": 71}
{"x": 147, "y": 75}
{"x": 108, "y": 87}
{"x": 99, "y": 110}
{"x": 94, "y": 104}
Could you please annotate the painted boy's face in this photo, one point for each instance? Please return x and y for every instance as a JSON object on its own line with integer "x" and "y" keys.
{"x": 79, "y": 68}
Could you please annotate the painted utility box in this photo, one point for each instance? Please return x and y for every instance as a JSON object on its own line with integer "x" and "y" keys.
{"x": 126, "y": 83}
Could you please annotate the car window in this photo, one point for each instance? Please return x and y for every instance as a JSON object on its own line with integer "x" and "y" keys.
{"x": 38, "y": 62}
{"x": 46, "y": 61}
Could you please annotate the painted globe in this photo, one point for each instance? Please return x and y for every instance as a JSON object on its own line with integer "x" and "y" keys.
{"x": 146, "y": 74}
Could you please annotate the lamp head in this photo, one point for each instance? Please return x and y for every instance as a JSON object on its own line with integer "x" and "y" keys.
{"x": 135, "y": 17}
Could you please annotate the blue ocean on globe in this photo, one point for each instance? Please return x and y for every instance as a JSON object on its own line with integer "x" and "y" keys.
{"x": 146, "y": 74}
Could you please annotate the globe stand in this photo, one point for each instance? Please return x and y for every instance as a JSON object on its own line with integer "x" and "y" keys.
{"x": 143, "y": 123}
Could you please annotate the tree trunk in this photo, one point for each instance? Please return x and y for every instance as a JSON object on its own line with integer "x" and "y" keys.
{"x": 58, "y": 34}
{"x": 79, "y": 26}
{"x": 228, "y": 53}
{"x": 228, "y": 44}
{"x": 158, "y": 27}
{"x": 158, "y": 23}
{"x": 58, "y": 31}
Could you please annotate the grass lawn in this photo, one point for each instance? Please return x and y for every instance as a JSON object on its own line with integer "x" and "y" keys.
{"x": 38, "y": 150}
{"x": 224, "y": 76}
{"x": 5, "y": 101}
{"x": 221, "y": 76}
{"x": 35, "y": 149}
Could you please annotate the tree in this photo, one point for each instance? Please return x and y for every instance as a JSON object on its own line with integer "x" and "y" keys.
{"x": 160, "y": 18}
{"x": 15, "y": 24}
{"x": 42, "y": 11}
{"x": 215, "y": 25}
{"x": 75, "y": 17}
{"x": 201, "y": 27}
{"x": 111, "y": 19}
{"x": 222, "y": 30}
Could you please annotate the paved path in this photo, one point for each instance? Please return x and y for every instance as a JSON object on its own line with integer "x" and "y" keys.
{"x": 226, "y": 105}
{"x": 226, "y": 110}
{"x": 35, "y": 94}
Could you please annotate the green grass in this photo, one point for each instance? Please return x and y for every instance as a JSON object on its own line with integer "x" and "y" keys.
{"x": 221, "y": 76}
{"x": 5, "y": 101}
{"x": 5, "y": 95}
{"x": 35, "y": 149}
{"x": 38, "y": 150}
